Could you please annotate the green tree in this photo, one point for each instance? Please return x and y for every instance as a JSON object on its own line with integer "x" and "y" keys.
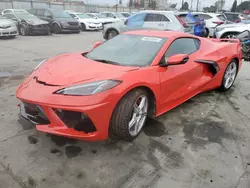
{"x": 243, "y": 6}
{"x": 212, "y": 8}
{"x": 234, "y": 7}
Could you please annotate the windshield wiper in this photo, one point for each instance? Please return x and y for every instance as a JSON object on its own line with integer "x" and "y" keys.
{"x": 107, "y": 61}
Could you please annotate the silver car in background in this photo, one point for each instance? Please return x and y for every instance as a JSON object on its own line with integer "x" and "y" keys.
{"x": 7, "y": 28}
{"x": 230, "y": 30}
{"x": 149, "y": 19}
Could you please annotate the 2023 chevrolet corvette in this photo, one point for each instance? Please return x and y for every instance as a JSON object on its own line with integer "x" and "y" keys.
{"x": 111, "y": 90}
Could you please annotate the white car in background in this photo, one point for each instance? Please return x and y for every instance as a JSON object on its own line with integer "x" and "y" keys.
{"x": 5, "y": 11}
{"x": 230, "y": 30}
{"x": 101, "y": 18}
{"x": 212, "y": 20}
{"x": 115, "y": 15}
{"x": 86, "y": 21}
{"x": 7, "y": 27}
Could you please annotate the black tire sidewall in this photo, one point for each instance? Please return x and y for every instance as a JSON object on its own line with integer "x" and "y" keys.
{"x": 22, "y": 27}
{"x": 83, "y": 27}
{"x": 120, "y": 130}
{"x": 114, "y": 34}
{"x": 56, "y": 28}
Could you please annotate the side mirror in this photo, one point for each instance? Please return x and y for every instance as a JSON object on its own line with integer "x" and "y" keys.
{"x": 50, "y": 17}
{"x": 174, "y": 60}
{"x": 125, "y": 22}
{"x": 97, "y": 44}
{"x": 114, "y": 17}
{"x": 177, "y": 59}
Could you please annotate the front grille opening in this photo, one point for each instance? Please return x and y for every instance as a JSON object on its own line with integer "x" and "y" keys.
{"x": 35, "y": 114}
{"x": 76, "y": 120}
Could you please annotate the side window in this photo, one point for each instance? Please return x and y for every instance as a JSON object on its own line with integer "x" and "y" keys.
{"x": 40, "y": 12}
{"x": 149, "y": 18}
{"x": 32, "y": 11}
{"x": 104, "y": 14}
{"x": 91, "y": 15}
{"x": 47, "y": 14}
{"x": 183, "y": 46}
{"x": 156, "y": 18}
{"x": 137, "y": 18}
{"x": 205, "y": 16}
{"x": 110, "y": 15}
{"x": 72, "y": 15}
{"x": 164, "y": 18}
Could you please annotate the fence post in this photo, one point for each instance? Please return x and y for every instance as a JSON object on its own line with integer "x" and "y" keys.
{"x": 12, "y": 6}
{"x": 31, "y": 3}
{"x": 63, "y": 6}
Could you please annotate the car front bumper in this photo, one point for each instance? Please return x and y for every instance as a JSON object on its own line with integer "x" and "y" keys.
{"x": 96, "y": 109}
{"x": 71, "y": 28}
{"x": 11, "y": 31}
{"x": 40, "y": 29}
{"x": 94, "y": 26}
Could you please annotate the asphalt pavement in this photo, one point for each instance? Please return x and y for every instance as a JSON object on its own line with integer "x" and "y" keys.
{"x": 203, "y": 143}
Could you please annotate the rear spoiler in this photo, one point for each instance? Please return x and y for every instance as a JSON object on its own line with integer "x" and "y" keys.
{"x": 226, "y": 40}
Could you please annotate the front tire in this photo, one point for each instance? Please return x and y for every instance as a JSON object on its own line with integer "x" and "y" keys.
{"x": 230, "y": 35}
{"x": 111, "y": 34}
{"x": 56, "y": 29}
{"x": 83, "y": 27}
{"x": 130, "y": 115}
{"x": 23, "y": 30}
{"x": 229, "y": 76}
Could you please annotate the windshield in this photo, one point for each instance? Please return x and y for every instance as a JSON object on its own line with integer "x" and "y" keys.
{"x": 100, "y": 16}
{"x": 61, "y": 14}
{"x": 119, "y": 15}
{"x": 221, "y": 17}
{"x": 25, "y": 15}
{"x": 83, "y": 16}
{"x": 125, "y": 14}
{"x": 128, "y": 50}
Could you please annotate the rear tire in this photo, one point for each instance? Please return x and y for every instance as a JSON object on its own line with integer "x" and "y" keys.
{"x": 56, "y": 29}
{"x": 127, "y": 120}
{"x": 206, "y": 33}
{"x": 229, "y": 77}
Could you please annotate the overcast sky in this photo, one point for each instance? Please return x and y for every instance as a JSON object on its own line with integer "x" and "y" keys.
{"x": 204, "y": 3}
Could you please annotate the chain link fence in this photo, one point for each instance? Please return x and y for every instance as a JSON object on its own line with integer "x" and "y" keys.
{"x": 74, "y": 6}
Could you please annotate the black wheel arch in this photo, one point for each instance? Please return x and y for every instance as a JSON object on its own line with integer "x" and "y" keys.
{"x": 229, "y": 32}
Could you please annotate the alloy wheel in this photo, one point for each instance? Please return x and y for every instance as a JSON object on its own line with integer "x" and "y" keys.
{"x": 139, "y": 115}
{"x": 230, "y": 75}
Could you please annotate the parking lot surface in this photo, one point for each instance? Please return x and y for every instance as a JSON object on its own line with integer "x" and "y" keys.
{"x": 203, "y": 143}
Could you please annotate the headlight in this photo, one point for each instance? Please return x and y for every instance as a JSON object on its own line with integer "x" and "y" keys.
{"x": 89, "y": 88}
{"x": 39, "y": 65}
{"x": 30, "y": 22}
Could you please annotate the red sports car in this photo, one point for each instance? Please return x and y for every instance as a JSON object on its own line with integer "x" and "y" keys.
{"x": 111, "y": 90}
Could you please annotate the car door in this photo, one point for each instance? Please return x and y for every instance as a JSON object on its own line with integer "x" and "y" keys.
{"x": 134, "y": 22}
{"x": 156, "y": 21}
{"x": 180, "y": 82}
{"x": 47, "y": 16}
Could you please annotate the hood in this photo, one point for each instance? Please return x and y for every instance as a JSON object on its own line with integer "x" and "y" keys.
{"x": 106, "y": 19}
{"x": 5, "y": 22}
{"x": 233, "y": 25}
{"x": 66, "y": 19}
{"x": 68, "y": 69}
{"x": 36, "y": 21}
{"x": 90, "y": 20}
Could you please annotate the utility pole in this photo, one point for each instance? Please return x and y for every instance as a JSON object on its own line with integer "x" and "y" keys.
{"x": 197, "y": 6}
{"x": 191, "y": 7}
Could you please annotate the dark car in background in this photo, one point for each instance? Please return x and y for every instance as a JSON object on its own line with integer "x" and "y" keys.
{"x": 28, "y": 24}
{"x": 59, "y": 20}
